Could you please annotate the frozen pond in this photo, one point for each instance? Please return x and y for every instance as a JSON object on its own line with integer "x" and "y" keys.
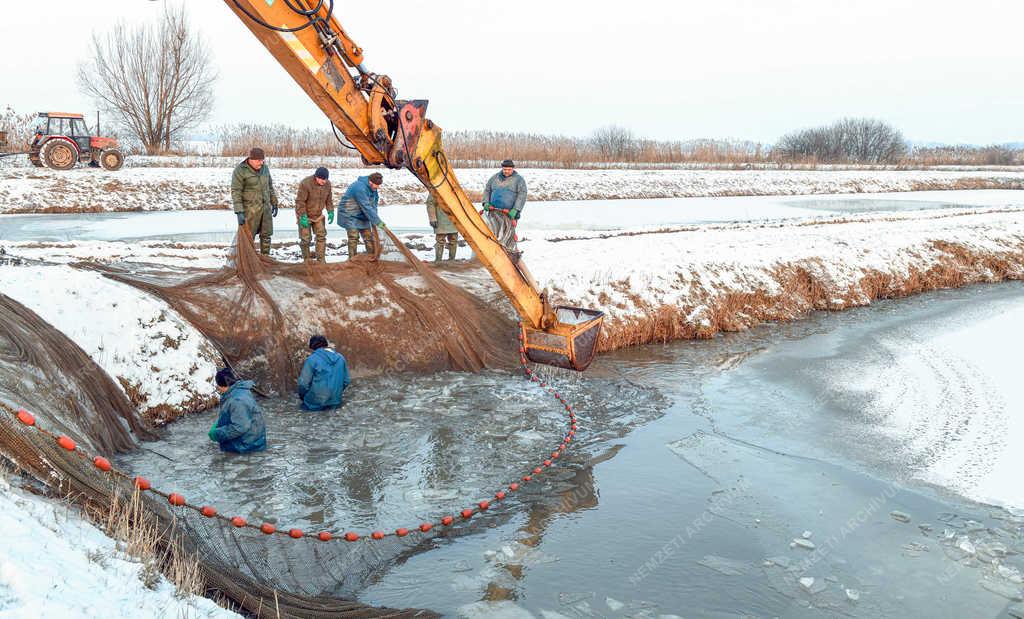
{"x": 827, "y": 467}
{"x": 219, "y": 225}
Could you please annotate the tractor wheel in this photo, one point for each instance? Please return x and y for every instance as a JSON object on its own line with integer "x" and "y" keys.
{"x": 111, "y": 160}
{"x": 59, "y": 155}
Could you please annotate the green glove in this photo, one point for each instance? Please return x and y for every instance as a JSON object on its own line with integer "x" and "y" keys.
{"x": 304, "y": 221}
{"x": 513, "y": 213}
{"x": 330, "y": 216}
{"x": 213, "y": 428}
{"x": 382, "y": 226}
{"x": 487, "y": 206}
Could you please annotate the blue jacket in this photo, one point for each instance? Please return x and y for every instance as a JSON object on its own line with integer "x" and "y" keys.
{"x": 240, "y": 427}
{"x": 357, "y": 209}
{"x": 323, "y": 378}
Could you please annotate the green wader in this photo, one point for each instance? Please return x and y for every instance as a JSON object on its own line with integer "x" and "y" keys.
{"x": 319, "y": 229}
{"x": 353, "y": 241}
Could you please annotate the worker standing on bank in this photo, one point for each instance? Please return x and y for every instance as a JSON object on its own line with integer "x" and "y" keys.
{"x": 324, "y": 377}
{"x": 313, "y": 198}
{"x": 240, "y": 427}
{"x": 504, "y": 199}
{"x": 357, "y": 213}
{"x": 445, "y": 232}
{"x": 253, "y": 197}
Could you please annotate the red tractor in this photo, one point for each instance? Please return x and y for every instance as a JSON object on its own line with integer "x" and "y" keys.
{"x": 62, "y": 140}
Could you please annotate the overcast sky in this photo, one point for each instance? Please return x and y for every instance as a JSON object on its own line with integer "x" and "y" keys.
{"x": 672, "y": 69}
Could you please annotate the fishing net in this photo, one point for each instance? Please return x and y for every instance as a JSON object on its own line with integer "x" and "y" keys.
{"x": 40, "y": 364}
{"x": 504, "y": 228}
{"x": 68, "y": 393}
{"x": 386, "y": 312}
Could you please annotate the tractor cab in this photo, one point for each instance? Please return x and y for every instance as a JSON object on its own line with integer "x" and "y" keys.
{"x": 62, "y": 140}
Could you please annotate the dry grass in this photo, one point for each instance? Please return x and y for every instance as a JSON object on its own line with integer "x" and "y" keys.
{"x": 488, "y": 148}
{"x": 141, "y": 537}
{"x": 282, "y": 141}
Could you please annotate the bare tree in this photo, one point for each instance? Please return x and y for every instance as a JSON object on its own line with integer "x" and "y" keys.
{"x": 155, "y": 78}
{"x": 615, "y": 143}
{"x": 859, "y": 140}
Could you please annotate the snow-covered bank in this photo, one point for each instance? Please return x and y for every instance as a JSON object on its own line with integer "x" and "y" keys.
{"x": 163, "y": 364}
{"x": 53, "y": 563}
{"x": 37, "y": 190}
{"x": 694, "y": 283}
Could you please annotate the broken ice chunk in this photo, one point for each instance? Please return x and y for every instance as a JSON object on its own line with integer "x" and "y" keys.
{"x": 1010, "y": 573}
{"x": 800, "y": 542}
{"x": 964, "y": 543}
{"x": 729, "y": 567}
{"x": 780, "y": 560}
{"x": 900, "y": 516}
{"x": 1002, "y": 589}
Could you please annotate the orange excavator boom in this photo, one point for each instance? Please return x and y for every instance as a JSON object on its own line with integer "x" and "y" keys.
{"x": 305, "y": 37}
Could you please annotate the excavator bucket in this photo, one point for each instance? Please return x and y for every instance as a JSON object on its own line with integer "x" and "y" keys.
{"x": 570, "y": 344}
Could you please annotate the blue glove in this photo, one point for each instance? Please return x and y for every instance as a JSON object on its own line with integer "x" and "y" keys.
{"x": 513, "y": 213}
{"x": 241, "y": 218}
{"x": 273, "y": 211}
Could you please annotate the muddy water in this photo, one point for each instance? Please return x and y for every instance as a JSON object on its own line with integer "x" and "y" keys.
{"x": 757, "y": 474}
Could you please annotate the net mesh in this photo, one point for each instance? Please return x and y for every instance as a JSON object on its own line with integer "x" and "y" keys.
{"x": 387, "y": 313}
{"x": 504, "y": 228}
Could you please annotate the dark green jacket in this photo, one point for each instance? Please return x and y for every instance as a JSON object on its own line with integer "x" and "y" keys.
{"x": 435, "y": 213}
{"x": 251, "y": 190}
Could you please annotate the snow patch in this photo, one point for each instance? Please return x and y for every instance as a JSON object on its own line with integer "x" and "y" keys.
{"x": 53, "y": 563}
{"x": 157, "y": 357}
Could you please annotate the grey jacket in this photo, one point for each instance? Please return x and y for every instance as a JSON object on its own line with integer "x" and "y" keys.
{"x": 506, "y": 192}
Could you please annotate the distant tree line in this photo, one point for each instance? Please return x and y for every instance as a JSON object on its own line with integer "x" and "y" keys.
{"x": 850, "y": 140}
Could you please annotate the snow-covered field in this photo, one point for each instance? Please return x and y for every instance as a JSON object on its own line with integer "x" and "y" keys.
{"x": 37, "y": 190}
{"x": 84, "y": 573}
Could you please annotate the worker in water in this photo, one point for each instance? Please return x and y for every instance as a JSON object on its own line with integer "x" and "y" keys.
{"x": 324, "y": 377}
{"x": 357, "y": 212}
{"x": 240, "y": 427}
{"x": 445, "y": 233}
{"x": 314, "y": 197}
{"x": 504, "y": 199}
{"x": 253, "y": 197}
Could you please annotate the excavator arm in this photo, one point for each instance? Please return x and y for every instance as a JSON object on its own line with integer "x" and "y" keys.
{"x": 305, "y": 37}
